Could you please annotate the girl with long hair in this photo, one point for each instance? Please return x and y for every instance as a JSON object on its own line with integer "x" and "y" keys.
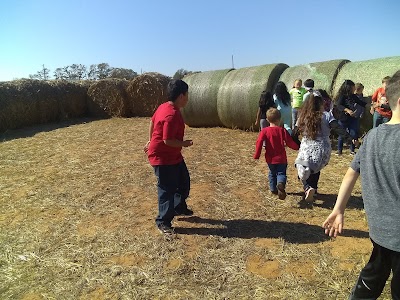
{"x": 265, "y": 103}
{"x": 282, "y": 101}
{"x": 346, "y": 102}
{"x": 314, "y": 125}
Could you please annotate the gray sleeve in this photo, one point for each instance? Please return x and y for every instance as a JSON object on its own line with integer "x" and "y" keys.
{"x": 355, "y": 164}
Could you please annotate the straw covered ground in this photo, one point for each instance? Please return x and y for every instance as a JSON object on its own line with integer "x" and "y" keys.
{"x": 78, "y": 203}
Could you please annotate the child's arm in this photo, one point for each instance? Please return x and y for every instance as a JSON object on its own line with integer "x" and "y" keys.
{"x": 334, "y": 222}
{"x": 339, "y": 130}
{"x": 258, "y": 116}
{"x": 151, "y": 128}
{"x": 259, "y": 144}
{"x": 290, "y": 142}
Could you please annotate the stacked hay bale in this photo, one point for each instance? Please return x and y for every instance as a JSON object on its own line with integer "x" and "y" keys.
{"x": 240, "y": 91}
{"x": 370, "y": 73}
{"x": 29, "y": 102}
{"x": 108, "y": 98}
{"x": 323, "y": 73}
{"x": 201, "y": 110}
{"x": 146, "y": 92}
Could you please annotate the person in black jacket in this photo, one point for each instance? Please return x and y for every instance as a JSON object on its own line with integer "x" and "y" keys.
{"x": 346, "y": 105}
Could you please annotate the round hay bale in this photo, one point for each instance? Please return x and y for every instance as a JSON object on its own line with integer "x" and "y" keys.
{"x": 146, "y": 92}
{"x": 240, "y": 91}
{"x": 28, "y": 102}
{"x": 107, "y": 98}
{"x": 323, "y": 73}
{"x": 71, "y": 98}
{"x": 201, "y": 110}
{"x": 370, "y": 73}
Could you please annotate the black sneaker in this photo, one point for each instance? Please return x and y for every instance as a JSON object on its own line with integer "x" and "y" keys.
{"x": 338, "y": 152}
{"x": 167, "y": 230}
{"x": 184, "y": 212}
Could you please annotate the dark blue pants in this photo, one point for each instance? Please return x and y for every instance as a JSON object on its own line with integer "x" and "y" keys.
{"x": 277, "y": 173}
{"x": 351, "y": 125}
{"x": 373, "y": 276}
{"x": 173, "y": 184}
{"x": 312, "y": 181}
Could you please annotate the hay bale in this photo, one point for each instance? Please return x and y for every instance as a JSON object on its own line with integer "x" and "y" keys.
{"x": 28, "y": 102}
{"x": 108, "y": 98}
{"x": 146, "y": 92}
{"x": 370, "y": 73}
{"x": 323, "y": 73}
{"x": 240, "y": 91}
{"x": 201, "y": 110}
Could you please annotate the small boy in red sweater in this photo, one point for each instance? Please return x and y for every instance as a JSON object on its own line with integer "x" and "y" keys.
{"x": 275, "y": 138}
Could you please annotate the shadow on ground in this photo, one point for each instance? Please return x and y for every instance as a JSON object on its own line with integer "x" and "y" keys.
{"x": 296, "y": 233}
{"x": 25, "y": 132}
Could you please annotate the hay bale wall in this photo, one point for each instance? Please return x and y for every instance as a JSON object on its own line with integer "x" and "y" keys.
{"x": 240, "y": 91}
{"x": 323, "y": 73}
{"x": 108, "y": 98}
{"x": 370, "y": 73}
{"x": 201, "y": 110}
{"x": 28, "y": 102}
{"x": 146, "y": 92}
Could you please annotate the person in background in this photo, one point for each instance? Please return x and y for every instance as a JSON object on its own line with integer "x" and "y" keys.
{"x": 346, "y": 104}
{"x": 275, "y": 138}
{"x": 314, "y": 125}
{"x": 328, "y": 103}
{"x": 377, "y": 163}
{"x": 359, "y": 109}
{"x": 282, "y": 102}
{"x": 166, "y": 139}
{"x": 264, "y": 104}
{"x": 309, "y": 86}
{"x": 297, "y": 93}
{"x": 379, "y": 107}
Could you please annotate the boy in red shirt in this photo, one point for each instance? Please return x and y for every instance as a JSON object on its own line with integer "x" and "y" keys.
{"x": 380, "y": 108}
{"x": 163, "y": 149}
{"x": 275, "y": 138}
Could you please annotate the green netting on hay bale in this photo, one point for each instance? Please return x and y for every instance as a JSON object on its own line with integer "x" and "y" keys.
{"x": 323, "y": 73}
{"x": 146, "y": 92}
{"x": 370, "y": 73}
{"x": 28, "y": 102}
{"x": 108, "y": 98}
{"x": 201, "y": 110}
{"x": 240, "y": 91}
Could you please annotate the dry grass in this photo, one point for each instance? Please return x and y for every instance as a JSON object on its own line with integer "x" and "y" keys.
{"x": 78, "y": 205}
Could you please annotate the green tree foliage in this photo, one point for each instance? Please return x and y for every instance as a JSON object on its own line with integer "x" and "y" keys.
{"x": 41, "y": 75}
{"x": 179, "y": 74}
{"x": 122, "y": 73}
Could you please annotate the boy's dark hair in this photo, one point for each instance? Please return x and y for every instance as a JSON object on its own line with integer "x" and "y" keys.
{"x": 273, "y": 115}
{"x": 324, "y": 93}
{"x": 386, "y": 79}
{"x": 309, "y": 83}
{"x": 266, "y": 99}
{"x": 175, "y": 88}
{"x": 393, "y": 90}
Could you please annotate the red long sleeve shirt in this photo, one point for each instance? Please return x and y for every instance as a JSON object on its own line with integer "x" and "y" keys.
{"x": 275, "y": 138}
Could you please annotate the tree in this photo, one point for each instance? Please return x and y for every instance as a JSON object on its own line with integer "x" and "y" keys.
{"x": 41, "y": 75}
{"x": 122, "y": 73}
{"x": 103, "y": 71}
{"x": 180, "y": 74}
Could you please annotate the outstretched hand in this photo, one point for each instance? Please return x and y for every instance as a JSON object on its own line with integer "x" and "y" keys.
{"x": 334, "y": 224}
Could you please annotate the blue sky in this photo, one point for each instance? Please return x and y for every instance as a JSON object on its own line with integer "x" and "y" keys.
{"x": 164, "y": 36}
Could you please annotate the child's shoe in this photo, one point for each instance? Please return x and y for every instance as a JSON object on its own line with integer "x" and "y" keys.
{"x": 309, "y": 195}
{"x": 281, "y": 191}
{"x": 274, "y": 192}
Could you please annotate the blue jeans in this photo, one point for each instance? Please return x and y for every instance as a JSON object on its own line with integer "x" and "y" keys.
{"x": 351, "y": 125}
{"x": 173, "y": 184}
{"x": 277, "y": 174}
{"x": 295, "y": 113}
{"x": 378, "y": 119}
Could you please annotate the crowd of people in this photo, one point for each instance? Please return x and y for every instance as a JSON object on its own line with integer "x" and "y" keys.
{"x": 303, "y": 119}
